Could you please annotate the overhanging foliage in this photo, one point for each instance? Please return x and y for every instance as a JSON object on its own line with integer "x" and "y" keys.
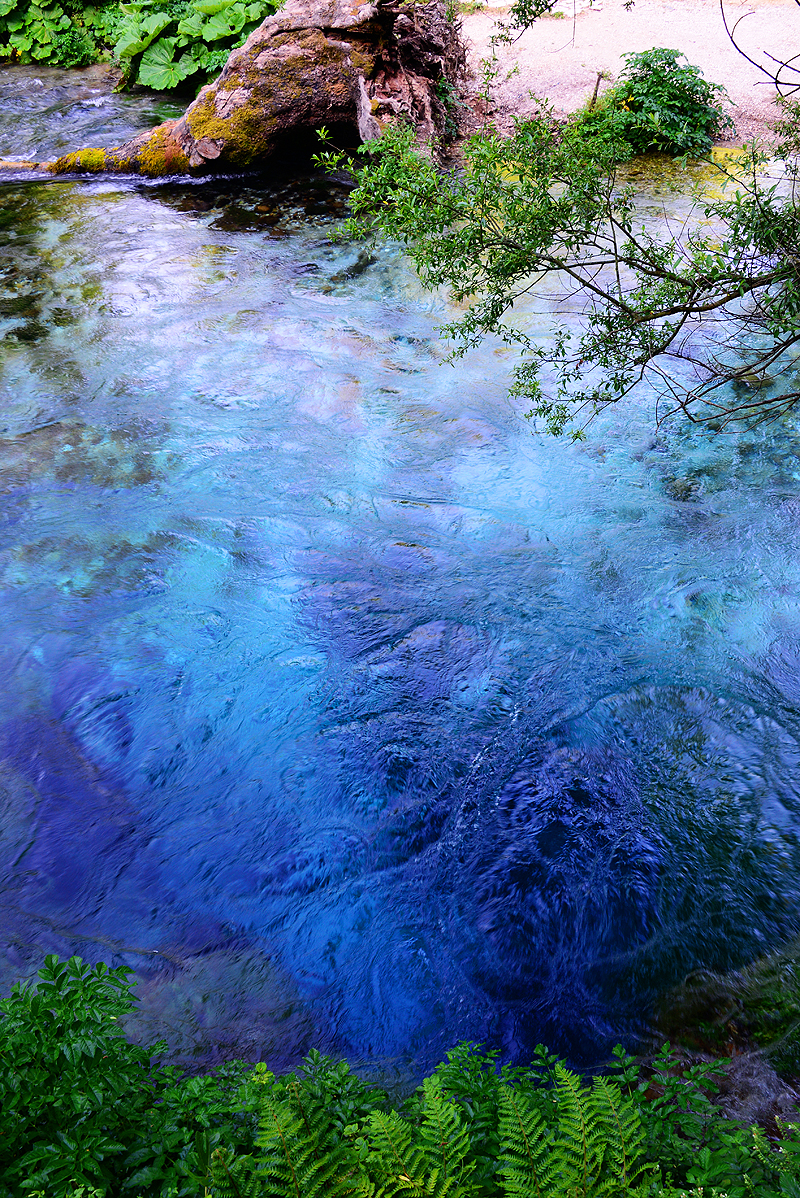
{"x": 709, "y": 311}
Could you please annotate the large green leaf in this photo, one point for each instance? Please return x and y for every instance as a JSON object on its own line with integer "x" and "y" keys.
{"x": 191, "y": 26}
{"x": 154, "y": 24}
{"x": 212, "y": 7}
{"x": 199, "y": 53}
{"x": 224, "y": 24}
{"x": 158, "y": 68}
{"x": 206, "y": 59}
{"x": 138, "y": 37}
{"x": 7, "y": 6}
{"x": 130, "y": 44}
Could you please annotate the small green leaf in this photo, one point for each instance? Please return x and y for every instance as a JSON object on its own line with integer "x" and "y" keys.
{"x": 145, "y": 1177}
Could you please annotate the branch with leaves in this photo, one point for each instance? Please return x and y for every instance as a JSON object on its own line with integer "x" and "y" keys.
{"x": 709, "y": 311}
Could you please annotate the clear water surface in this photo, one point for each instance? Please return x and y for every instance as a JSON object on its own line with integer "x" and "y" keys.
{"x": 334, "y": 700}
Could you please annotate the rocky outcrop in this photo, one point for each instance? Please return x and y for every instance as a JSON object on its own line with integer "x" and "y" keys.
{"x": 315, "y": 63}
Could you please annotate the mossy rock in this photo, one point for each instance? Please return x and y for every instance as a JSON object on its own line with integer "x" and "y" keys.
{"x": 757, "y": 1007}
{"x": 339, "y": 63}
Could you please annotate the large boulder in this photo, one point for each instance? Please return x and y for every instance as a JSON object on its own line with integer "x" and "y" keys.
{"x": 316, "y": 62}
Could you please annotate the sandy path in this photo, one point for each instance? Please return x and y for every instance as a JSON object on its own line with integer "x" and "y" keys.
{"x": 559, "y": 58}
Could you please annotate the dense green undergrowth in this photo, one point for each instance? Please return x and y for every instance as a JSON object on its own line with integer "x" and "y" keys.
{"x": 88, "y": 1115}
{"x": 163, "y": 44}
{"x": 660, "y": 104}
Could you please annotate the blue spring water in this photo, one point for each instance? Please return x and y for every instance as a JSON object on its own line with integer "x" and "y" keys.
{"x": 336, "y": 702}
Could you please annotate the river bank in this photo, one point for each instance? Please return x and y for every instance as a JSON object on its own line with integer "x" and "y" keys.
{"x": 560, "y": 57}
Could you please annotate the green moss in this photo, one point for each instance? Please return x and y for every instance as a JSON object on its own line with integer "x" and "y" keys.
{"x": 161, "y": 155}
{"x": 154, "y": 156}
{"x": 364, "y": 62}
{"x": 80, "y": 162}
{"x": 247, "y": 132}
{"x": 245, "y": 137}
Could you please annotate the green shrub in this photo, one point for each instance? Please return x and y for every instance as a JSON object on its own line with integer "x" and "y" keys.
{"x": 88, "y": 1115}
{"x": 660, "y": 104}
{"x": 163, "y": 44}
{"x": 81, "y": 1107}
{"x": 72, "y": 1089}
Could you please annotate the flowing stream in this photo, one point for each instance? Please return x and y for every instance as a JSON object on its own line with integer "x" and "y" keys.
{"x": 336, "y": 702}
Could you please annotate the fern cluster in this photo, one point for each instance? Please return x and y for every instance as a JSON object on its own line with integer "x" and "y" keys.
{"x": 87, "y": 1115}
{"x": 475, "y": 1131}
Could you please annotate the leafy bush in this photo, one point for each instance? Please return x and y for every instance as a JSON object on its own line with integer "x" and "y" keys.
{"x": 58, "y": 36}
{"x": 163, "y": 44}
{"x": 72, "y": 1089}
{"x": 87, "y": 1115}
{"x": 661, "y": 103}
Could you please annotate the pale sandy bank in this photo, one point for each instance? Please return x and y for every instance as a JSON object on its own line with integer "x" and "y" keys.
{"x": 560, "y": 57}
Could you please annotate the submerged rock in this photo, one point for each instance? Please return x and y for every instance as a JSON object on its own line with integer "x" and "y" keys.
{"x": 316, "y": 62}
{"x": 749, "y": 1021}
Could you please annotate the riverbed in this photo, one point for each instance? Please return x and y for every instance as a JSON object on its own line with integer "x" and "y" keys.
{"x": 337, "y": 702}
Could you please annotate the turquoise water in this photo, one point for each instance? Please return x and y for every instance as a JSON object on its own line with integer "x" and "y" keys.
{"x": 340, "y": 705}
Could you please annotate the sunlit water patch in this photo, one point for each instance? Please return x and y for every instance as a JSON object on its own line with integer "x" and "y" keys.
{"x": 336, "y": 702}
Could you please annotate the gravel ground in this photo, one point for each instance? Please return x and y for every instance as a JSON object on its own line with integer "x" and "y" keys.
{"x": 561, "y": 55}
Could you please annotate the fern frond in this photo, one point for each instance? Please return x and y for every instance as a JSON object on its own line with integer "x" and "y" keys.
{"x": 235, "y": 1177}
{"x": 286, "y": 1150}
{"x": 785, "y": 1157}
{"x": 430, "y": 1164}
{"x": 527, "y": 1165}
{"x": 443, "y": 1136}
{"x": 298, "y": 1159}
{"x": 392, "y": 1151}
{"x": 581, "y": 1139}
{"x": 621, "y": 1126}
